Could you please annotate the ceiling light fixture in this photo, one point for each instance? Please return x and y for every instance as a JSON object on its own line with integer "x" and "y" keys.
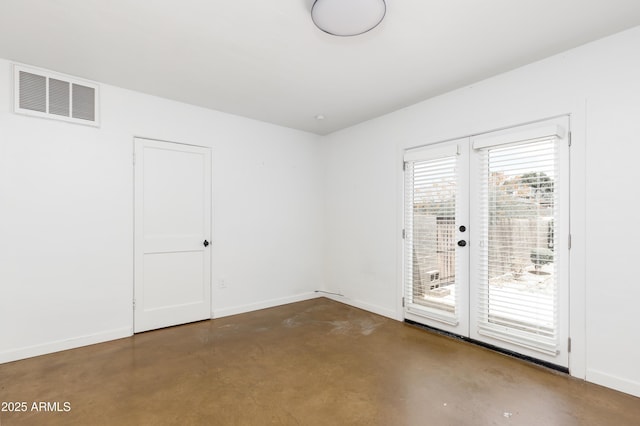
{"x": 346, "y": 18}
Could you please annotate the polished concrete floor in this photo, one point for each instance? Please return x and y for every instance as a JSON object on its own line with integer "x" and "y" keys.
{"x": 317, "y": 362}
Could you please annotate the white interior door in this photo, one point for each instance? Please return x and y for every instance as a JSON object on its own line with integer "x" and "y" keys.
{"x": 172, "y": 260}
{"x": 510, "y": 192}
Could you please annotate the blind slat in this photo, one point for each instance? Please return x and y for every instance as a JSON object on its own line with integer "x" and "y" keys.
{"x": 518, "y": 286}
{"x": 430, "y": 212}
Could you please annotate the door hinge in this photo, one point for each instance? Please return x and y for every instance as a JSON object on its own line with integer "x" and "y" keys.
{"x": 404, "y": 234}
{"x": 404, "y": 166}
{"x": 134, "y": 304}
{"x": 569, "y": 344}
{"x": 403, "y": 302}
{"x": 570, "y": 139}
{"x": 569, "y": 241}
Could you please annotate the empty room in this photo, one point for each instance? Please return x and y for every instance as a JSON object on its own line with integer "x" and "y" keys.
{"x": 329, "y": 212}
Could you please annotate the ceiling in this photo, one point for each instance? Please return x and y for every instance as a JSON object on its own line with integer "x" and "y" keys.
{"x": 266, "y": 60}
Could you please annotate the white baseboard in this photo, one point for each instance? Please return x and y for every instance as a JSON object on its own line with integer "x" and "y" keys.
{"x": 235, "y": 310}
{"x": 63, "y": 345}
{"x": 76, "y": 342}
{"x": 364, "y": 306}
{"x": 614, "y": 382}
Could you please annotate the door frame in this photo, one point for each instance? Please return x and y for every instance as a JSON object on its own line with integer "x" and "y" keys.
{"x": 135, "y": 230}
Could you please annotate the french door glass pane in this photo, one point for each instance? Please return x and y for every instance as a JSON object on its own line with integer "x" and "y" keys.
{"x": 518, "y": 268}
{"x": 431, "y": 191}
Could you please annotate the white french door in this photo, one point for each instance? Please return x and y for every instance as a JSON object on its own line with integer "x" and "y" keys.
{"x": 436, "y": 290}
{"x": 497, "y": 206}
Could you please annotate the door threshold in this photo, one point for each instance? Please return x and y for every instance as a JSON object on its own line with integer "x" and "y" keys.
{"x": 489, "y": 346}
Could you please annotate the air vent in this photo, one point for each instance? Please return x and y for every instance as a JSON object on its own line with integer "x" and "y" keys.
{"x": 43, "y": 93}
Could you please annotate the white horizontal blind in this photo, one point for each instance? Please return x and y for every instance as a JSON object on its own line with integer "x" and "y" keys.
{"x": 518, "y": 294}
{"x": 430, "y": 257}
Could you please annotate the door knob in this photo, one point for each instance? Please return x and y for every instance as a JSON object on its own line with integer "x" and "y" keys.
{"x": 462, "y": 243}
{"x": 206, "y": 243}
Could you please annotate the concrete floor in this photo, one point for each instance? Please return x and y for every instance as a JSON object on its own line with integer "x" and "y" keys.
{"x": 317, "y": 362}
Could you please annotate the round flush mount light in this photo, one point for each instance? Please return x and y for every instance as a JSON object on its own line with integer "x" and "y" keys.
{"x": 346, "y": 18}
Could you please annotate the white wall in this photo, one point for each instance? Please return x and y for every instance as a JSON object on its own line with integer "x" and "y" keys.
{"x": 66, "y": 205}
{"x": 66, "y": 216}
{"x": 598, "y": 85}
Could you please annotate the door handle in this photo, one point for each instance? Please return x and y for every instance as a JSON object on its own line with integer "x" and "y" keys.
{"x": 206, "y": 243}
{"x": 462, "y": 243}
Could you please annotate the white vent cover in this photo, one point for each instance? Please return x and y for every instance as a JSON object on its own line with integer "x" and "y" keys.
{"x": 46, "y": 94}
